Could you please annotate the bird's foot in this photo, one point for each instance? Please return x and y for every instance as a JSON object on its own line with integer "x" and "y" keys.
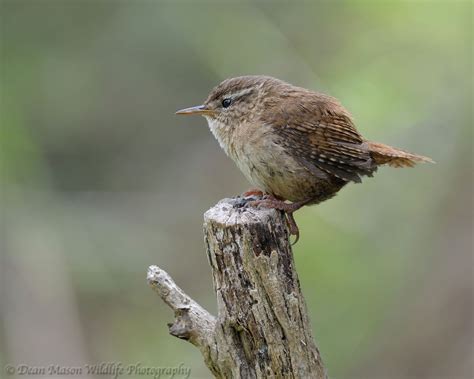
{"x": 247, "y": 197}
{"x": 269, "y": 201}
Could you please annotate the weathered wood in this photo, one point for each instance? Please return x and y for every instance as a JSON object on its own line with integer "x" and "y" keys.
{"x": 262, "y": 328}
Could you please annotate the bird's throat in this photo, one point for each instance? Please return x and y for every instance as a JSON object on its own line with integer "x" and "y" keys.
{"x": 222, "y": 132}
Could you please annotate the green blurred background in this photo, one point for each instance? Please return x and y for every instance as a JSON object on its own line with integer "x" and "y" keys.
{"x": 100, "y": 179}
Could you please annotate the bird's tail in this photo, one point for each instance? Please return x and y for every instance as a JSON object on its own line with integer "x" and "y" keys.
{"x": 384, "y": 154}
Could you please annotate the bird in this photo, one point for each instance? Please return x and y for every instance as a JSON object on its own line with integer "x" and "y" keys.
{"x": 296, "y": 146}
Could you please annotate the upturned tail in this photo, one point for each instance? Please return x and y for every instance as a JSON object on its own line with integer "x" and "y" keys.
{"x": 384, "y": 154}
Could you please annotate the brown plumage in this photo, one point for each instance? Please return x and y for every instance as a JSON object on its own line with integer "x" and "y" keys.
{"x": 292, "y": 143}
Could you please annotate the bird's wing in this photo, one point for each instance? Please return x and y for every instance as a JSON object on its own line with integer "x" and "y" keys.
{"x": 320, "y": 134}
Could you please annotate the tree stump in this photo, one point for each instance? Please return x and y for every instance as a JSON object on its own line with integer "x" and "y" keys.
{"x": 262, "y": 328}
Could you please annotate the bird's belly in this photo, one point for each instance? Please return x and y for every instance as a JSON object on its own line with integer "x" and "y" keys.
{"x": 270, "y": 168}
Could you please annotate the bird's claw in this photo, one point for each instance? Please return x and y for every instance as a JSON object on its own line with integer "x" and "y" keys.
{"x": 293, "y": 228}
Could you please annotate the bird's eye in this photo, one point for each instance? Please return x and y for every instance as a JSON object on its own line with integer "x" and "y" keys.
{"x": 226, "y": 102}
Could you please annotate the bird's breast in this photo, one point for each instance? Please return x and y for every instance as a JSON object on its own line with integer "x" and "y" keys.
{"x": 264, "y": 161}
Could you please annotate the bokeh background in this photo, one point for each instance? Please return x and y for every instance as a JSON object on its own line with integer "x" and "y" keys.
{"x": 100, "y": 179}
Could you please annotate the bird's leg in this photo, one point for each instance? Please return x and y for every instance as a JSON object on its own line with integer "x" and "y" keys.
{"x": 253, "y": 192}
{"x": 270, "y": 201}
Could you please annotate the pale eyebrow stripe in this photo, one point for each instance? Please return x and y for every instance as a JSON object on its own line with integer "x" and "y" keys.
{"x": 241, "y": 93}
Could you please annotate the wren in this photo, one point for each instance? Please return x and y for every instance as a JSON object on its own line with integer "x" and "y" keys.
{"x": 298, "y": 147}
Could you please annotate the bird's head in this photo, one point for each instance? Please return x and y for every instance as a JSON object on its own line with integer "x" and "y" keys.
{"x": 237, "y": 100}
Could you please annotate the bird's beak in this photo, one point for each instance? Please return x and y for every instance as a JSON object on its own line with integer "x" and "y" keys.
{"x": 199, "y": 109}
